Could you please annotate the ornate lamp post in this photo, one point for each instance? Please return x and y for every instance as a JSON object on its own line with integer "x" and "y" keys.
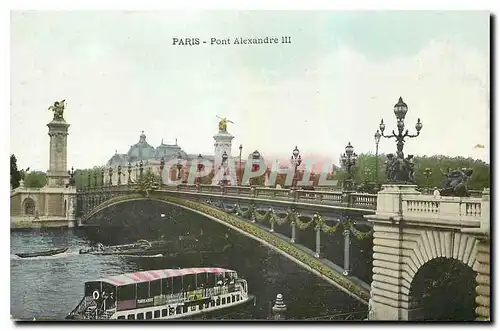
{"x": 141, "y": 169}
{"x": 295, "y": 160}
{"x": 427, "y": 174}
{"x": 348, "y": 161}
{"x": 400, "y": 169}
{"x": 377, "y": 137}
{"x": 89, "y": 176}
{"x": 223, "y": 166}
{"x": 241, "y": 175}
{"x": 179, "y": 165}
{"x": 129, "y": 173}
{"x": 255, "y": 164}
{"x": 367, "y": 175}
{"x": 162, "y": 166}
{"x": 95, "y": 179}
{"x": 119, "y": 174}
{"x": 199, "y": 168}
{"x": 71, "y": 174}
{"x": 110, "y": 176}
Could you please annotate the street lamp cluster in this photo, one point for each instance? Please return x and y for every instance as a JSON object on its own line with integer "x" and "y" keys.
{"x": 295, "y": 160}
{"x": 348, "y": 161}
{"x": 400, "y": 169}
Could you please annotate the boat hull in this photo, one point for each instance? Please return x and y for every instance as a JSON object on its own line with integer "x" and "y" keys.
{"x": 43, "y": 253}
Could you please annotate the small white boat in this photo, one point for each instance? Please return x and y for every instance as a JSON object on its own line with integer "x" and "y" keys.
{"x": 161, "y": 294}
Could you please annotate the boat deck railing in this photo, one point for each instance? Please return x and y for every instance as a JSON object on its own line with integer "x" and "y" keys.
{"x": 201, "y": 293}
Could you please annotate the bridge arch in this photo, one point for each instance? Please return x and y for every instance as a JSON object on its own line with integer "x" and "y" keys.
{"x": 440, "y": 244}
{"x": 444, "y": 289}
{"x": 402, "y": 256}
{"x": 277, "y": 243}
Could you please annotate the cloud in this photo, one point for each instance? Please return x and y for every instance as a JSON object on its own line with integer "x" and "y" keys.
{"x": 120, "y": 75}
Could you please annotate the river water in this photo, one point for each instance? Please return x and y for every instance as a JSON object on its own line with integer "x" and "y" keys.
{"x": 50, "y": 287}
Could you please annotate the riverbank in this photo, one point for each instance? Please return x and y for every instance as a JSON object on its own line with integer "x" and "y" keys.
{"x": 20, "y": 223}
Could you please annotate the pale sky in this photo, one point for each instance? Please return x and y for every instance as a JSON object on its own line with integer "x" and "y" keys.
{"x": 343, "y": 72}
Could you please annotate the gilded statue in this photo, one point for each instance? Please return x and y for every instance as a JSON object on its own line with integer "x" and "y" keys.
{"x": 223, "y": 123}
{"x": 58, "y": 109}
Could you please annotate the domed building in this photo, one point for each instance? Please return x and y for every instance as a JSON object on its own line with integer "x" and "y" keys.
{"x": 151, "y": 158}
{"x": 172, "y": 154}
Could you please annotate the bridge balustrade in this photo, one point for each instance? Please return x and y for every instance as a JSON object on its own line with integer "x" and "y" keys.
{"x": 442, "y": 208}
{"x": 356, "y": 200}
{"x": 364, "y": 200}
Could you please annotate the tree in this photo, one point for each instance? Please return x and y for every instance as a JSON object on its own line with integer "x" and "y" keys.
{"x": 149, "y": 182}
{"x": 15, "y": 175}
{"x": 365, "y": 170}
{"x": 82, "y": 177}
{"x": 35, "y": 179}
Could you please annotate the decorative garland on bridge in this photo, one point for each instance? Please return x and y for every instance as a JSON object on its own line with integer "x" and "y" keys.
{"x": 277, "y": 242}
{"x": 325, "y": 228}
{"x": 358, "y": 234}
{"x": 302, "y": 225}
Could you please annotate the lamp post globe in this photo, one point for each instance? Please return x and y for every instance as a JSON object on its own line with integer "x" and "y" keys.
{"x": 400, "y": 109}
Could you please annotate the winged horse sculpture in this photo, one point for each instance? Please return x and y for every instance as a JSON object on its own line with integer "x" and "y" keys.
{"x": 223, "y": 123}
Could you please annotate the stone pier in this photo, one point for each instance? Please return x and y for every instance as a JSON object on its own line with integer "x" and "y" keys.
{"x": 410, "y": 230}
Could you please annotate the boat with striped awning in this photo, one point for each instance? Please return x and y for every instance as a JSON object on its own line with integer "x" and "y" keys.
{"x": 161, "y": 294}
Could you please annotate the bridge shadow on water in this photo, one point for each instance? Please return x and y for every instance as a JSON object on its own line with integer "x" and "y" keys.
{"x": 213, "y": 244}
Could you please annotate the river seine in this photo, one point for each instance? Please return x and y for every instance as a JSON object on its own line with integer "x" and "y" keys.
{"x": 50, "y": 287}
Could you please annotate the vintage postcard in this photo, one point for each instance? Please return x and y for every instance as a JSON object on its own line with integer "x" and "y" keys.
{"x": 250, "y": 165}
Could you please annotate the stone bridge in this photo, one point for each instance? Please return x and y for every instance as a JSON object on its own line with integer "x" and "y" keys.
{"x": 275, "y": 216}
{"x": 409, "y": 230}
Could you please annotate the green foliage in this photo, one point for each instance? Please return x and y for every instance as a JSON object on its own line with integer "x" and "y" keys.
{"x": 35, "y": 179}
{"x": 82, "y": 177}
{"x": 15, "y": 175}
{"x": 365, "y": 170}
{"x": 148, "y": 183}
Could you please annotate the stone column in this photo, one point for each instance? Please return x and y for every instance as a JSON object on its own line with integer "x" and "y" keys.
{"x": 318, "y": 241}
{"x": 57, "y": 175}
{"x": 293, "y": 233}
{"x": 347, "y": 247}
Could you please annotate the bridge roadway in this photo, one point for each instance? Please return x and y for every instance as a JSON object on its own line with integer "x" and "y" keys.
{"x": 257, "y": 212}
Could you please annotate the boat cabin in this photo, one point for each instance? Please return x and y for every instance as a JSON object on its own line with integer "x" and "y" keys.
{"x": 154, "y": 288}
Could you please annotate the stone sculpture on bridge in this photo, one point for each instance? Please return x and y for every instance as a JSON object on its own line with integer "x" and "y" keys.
{"x": 400, "y": 169}
{"x": 455, "y": 183}
{"x": 58, "y": 109}
{"x": 223, "y": 123}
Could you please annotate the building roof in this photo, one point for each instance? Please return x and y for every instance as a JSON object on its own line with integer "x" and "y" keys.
{"x": 150, "y": 275}
{"x": 144, "y": 151}
{"x": 141, "y": 150}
